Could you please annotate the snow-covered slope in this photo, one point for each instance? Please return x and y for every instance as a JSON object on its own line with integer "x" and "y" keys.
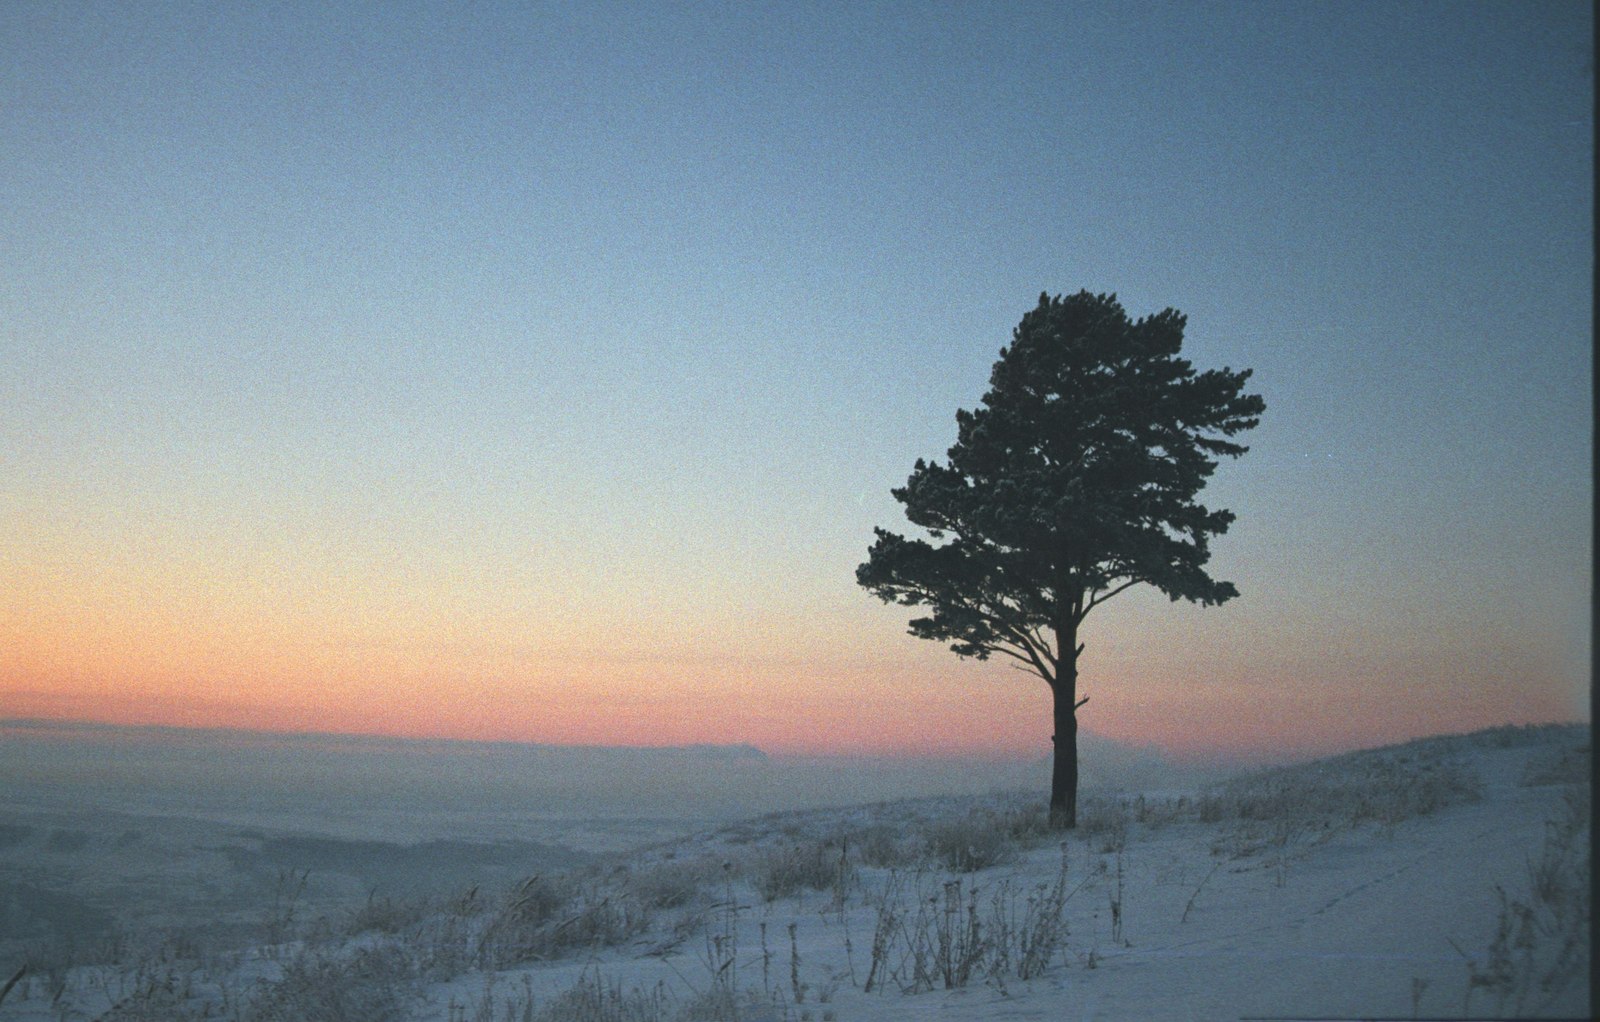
{"x": 1444, "y": 878}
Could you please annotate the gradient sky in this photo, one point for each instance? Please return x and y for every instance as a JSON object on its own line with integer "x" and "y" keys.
{"x": 539, "y": 371}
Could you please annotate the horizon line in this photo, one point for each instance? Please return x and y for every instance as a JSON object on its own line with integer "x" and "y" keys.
{"x": 748, "y": 749}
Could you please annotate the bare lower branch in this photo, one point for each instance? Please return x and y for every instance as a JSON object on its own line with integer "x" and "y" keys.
{"x": 1030, "y": 663}
{"x": 1043, "y": 647}
{"x": 1031, "y": 671}
{"x": 1013, "y": 654}
{"x": 1038, "y": 665}
{"x": 1012, "y": 622}
{"x": 1037, "y": 653}
{"x": 1017, "y": 640}
{"x": 1076, "y": 706}
{"x": 1016, "y": 635}
{"x": 1096, "y": 599}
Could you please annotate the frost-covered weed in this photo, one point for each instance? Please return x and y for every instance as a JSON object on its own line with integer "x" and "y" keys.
{"x": 1027, "y": 823}
{"x": 711, "y": 1005}
{"x": 523, "y": 923}
{"x": 1029, "y": 936}
{"x": 1569, "y": 766}
{"x": 935, "y": 931}
{"x": 153, "y": 994}
{"x": 448, "y": 942}
{"x": 1541, "y": 943}
{"x": 492, "y": 1006}
{"x": 366, "y": 984}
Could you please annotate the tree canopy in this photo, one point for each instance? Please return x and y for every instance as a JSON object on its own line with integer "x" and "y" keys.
{"x": 1075, "y": 479}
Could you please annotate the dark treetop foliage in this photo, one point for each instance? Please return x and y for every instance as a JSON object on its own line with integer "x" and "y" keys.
{"x": 1074, "y": 480}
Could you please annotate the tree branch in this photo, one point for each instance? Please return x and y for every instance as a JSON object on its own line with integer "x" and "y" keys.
{"x": 1043, "y": 647}
{"x": 1013, "y": 654}
{"x": 1026, "y": 656}
{"x": 1014, "y": 635}
{"x": 1079, "y": 704}
{"x": 1029, "y": 670}
{"x": 1022, "y": 636}
{"x": 1096, "y": 600}
{"x": 1021, "y": 639}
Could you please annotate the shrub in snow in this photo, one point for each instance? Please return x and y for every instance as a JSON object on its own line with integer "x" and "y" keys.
{"x": 786, "y": 871}
{"x": 884, "y": 847}
{"x": 970, "y": 844}
{"x": 386, "y": 915}
{"x": 672, "y": 884}
{"x": 1105, "y": 819}
{"x": 545, "y": 919}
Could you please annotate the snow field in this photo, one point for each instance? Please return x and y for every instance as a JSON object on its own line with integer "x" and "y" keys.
{"x": 1447, "y": 877}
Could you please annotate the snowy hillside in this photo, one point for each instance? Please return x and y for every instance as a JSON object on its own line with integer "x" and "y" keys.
{"x": 1447, "y": 877}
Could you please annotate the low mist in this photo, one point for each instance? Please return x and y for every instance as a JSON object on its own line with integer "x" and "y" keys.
{"x": 391, "y": 789}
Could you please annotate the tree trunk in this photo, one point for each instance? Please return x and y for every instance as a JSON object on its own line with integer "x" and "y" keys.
{"x": 1064, "y": 774}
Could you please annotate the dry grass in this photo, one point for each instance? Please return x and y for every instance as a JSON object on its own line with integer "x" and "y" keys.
{"x": 1344, "y": 791}
{"x": 1104, "y": 822}
{"x": 367, "y": 984}
{"x": 595, "y": 999}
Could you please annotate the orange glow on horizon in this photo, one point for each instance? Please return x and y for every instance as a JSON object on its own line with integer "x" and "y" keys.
{"x": 921, "y": 709}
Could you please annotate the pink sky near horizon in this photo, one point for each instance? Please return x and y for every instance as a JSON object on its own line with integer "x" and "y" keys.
{"x": 1205, "y": 706}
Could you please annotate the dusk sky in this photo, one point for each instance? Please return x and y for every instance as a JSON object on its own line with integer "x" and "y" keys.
{"x": 539, "y": 371}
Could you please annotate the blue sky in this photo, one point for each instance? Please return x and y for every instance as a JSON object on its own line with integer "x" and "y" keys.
{"x": 365, "y": 359}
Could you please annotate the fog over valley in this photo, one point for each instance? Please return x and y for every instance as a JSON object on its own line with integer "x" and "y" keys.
{"x": 407, "y": 790}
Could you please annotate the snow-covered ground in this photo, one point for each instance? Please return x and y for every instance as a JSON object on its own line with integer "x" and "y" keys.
{"x": 1444, "y": 878}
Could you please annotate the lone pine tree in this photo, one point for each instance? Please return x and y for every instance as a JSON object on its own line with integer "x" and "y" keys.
{"x": 1074, "y": 481}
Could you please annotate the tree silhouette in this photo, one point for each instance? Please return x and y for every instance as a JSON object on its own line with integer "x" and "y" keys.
{"x": 1074, "y": 481}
